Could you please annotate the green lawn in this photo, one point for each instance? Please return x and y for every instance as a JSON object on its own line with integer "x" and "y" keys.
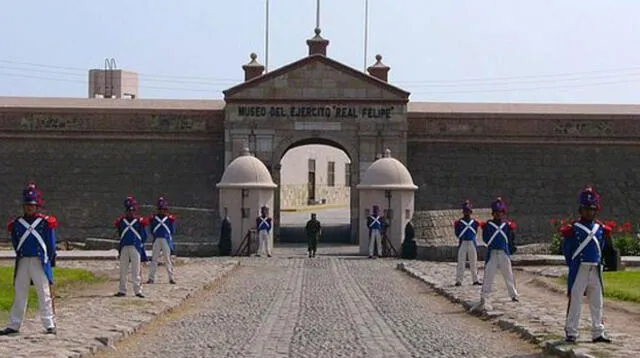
{"x": 621, "y": 285}
{"x": 63, "y": 277}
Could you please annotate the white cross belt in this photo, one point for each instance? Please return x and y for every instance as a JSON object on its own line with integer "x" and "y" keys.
{"x": 498, "y": 231}
{"x": 266, "y": 222}
{"x": 130, "y": 227}
{"x": 591, "y": 235}
{"x": 161, "y": 223}
{"x": 30, "y": 229}
{"x": 467, "y": 226}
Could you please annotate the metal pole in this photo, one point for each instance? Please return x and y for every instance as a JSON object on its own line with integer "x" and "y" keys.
{"x": 242, "y": 233}
{"x": 111, "y": 69}
{"x": 317, "y": 14}
{"x": 266, "y": 39}
{"x": 366, "y": 32}
{"x": 106, "y": 67}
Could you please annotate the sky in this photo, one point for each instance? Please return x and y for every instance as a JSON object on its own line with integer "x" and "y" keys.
{"x": 551, "y": 51}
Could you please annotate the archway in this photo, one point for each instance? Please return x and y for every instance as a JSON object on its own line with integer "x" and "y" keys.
{"x": 315, "y": 174}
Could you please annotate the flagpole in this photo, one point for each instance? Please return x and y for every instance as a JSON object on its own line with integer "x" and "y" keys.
{"x": 366, "y": 32}
{"x": 266, "y": 39}
{"x": 317, "y": 14}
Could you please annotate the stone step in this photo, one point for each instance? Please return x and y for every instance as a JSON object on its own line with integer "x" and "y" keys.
{"x": 186, "y": 249}
{"x": 450, "y": 254}
{"x": 75, "y": 255}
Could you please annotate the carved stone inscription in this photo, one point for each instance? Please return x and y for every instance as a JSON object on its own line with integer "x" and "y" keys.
{"x": 583, "y": 128}
{"x": 41, "y": 121}
{"x": 176, "y": 123}
{"x": 105, "y": 123}
{"x": 459, "y": 127}
{"x": 334, "y": 111}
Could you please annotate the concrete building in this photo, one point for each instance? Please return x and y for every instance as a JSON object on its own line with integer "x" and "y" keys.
{"x": 113, "y": 83}
{"x": 315, "y": 174}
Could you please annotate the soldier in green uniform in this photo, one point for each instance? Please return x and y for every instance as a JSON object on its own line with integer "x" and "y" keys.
{"x": 313, "y": 231}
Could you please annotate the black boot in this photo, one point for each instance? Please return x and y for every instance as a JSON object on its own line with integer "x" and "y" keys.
{"x": 601, "y": 339}
{"x": 8, "y": 331}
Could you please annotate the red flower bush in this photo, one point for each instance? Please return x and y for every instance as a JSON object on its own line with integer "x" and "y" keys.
{"x": 622, "y": 234}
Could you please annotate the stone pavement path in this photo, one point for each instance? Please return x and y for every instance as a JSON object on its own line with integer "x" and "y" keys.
{"x": 328, "y": 306}
{"x": 540, "y": 314}
{"x": 91, "y": 318}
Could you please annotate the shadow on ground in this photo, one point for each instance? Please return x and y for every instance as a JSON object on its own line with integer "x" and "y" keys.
{"x": 335, "y": 233}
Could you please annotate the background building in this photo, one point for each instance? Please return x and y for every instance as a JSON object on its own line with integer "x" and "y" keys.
{"x": 112, "y": 83}
{"x": 315, "y": 174}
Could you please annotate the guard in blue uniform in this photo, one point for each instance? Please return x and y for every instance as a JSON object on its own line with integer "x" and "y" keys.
{"x": 375, "y": 223}
{"x": 132, "y": 233}
{"x": 499, "y": 236}
{"x": 584, "y": 241}
{"x": 466, "y": 230}
{"x": 163, "y": 226}
{"x": 33, "y": 237}
{"x": 264, "y": 224}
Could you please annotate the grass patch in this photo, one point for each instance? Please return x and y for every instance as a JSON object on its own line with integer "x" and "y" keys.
{"x": 65, "y": 278}
{"x": 620, "y": 285}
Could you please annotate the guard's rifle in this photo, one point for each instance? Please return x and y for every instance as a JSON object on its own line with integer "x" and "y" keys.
{"x": 52, "y": 293}
{"x": 387, "y": 247}
{"x": 116, "y": 237}
{"x": 244, "y": 245}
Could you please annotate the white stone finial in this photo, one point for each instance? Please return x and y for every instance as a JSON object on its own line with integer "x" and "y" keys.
{"x": 387, "y": 153}
{"x": 245, "y": 152}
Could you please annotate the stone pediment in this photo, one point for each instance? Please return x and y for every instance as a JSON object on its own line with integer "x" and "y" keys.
{"x": 316, "y": 78}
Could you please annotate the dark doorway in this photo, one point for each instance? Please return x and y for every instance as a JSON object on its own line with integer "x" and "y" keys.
{"x": 311, "y": 182}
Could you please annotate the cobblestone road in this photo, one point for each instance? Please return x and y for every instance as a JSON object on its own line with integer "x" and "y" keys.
{"x": 329, "y": 306}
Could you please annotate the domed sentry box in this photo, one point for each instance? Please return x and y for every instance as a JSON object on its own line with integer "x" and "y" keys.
{"x": 388, "y": 184}
{"x": 245, "y": 187}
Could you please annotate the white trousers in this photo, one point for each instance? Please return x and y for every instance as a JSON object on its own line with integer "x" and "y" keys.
{"x": 30, "y": 269}
{"x": 375, "y": 237}
{"x": 467, "y": 249}
{"x": 128, "y": 254}
{"x": 499, "y": 261}
{"x": 263, "y": 243}
{"x": 161, "y": 245}
{"x": 586, "y": 280}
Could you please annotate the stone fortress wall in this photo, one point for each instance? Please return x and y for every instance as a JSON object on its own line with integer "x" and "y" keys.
{"x": 87, "y": 155}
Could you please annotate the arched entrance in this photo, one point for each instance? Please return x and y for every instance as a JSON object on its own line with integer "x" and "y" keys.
{"x": 336, "y": 230}
{"x": 316, "y": 100}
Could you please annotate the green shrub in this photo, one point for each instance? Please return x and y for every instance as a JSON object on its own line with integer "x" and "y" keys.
{"x": 627, "y": 245}
{"x": 556, "y": 245}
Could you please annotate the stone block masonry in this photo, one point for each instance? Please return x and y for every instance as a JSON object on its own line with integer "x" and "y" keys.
{"x": 435, "y": 227}
{"x": 88, "y": 163}
{"x": 84, "y": 182}
{"x": 538, "y": 181}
